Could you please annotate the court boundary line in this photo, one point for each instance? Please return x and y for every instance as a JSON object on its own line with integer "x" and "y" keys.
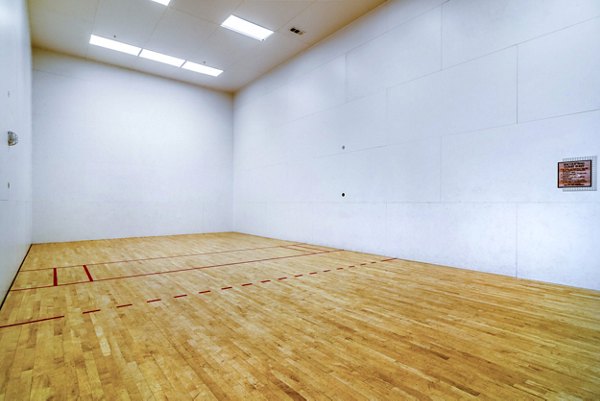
{"x": 158, "y": 258}
{"x": 174, "y": 271}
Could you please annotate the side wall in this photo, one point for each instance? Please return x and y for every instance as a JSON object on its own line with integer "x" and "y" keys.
{"x": 442, "y": 122}
{"x": 15, "y": 161}
{"x": 118, "y": 153}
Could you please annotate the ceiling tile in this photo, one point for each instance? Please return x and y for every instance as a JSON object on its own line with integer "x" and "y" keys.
{"x": 215, "y": 11}
{"x": 129, "y": 21}
{"x": 84, "y": 10}
{"x": 60, "y": 32}
{"x": 181, "y": 35}
{"x": 271, "y": 14}
{"x": 225, "y": 47}
{"x": 324, "y": 17}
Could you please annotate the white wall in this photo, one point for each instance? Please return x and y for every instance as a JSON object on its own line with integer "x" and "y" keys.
{"x": 442, "y": 122}
{"x": 118, "y": 153}
{"x": 15, "y": 161}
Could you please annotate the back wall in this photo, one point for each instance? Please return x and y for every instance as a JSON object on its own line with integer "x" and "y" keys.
{"x": 117, "y": 153}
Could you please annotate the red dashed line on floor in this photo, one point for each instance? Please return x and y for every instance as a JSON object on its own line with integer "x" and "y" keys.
{"x": 91, "y": 311}
{"x": 246, "y": 284}
{"x": 180, "y": 296}
{"x": 153, "y": 300}
{"x": 124, "y": 305}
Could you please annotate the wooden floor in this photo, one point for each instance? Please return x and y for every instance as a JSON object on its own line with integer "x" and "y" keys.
{"x": 238, "y": 317}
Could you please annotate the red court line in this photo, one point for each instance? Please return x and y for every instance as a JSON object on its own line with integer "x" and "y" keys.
{"x": 55, "y": 277}
{"x": 204, "y": 292}
{"x": 298, "y": 275}
{"x": 180, "y": 296}
{"x": 157, "y": 258}
{"x": 326, "y": 271}
{"x": 91, "y": 311}
{"x": 124, "y": 305}
{"x": 226, "y": 288}
{"x": 87, "y": 272}
{"x": 180, "y": 270}
{"x": 265, "y": 281}
{"x": 387, "y": 260}
{"x": 313, "y": 273}
{"x": 246, "y": 284}
{"x": 32, "y": 321}
{"x": 153, "y": 300}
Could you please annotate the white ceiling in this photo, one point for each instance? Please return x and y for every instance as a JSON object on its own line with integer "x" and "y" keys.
{"x": 190, "y": 29}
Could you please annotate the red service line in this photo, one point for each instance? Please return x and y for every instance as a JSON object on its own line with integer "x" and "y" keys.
{"x": 180, "y": 296}
{"x": 55, "y": 277}
{"x": 91, "y": 311}
{"x": 124, "y": 305}
{"x": 178, "y": 270}
{"x": 158, "y": 258}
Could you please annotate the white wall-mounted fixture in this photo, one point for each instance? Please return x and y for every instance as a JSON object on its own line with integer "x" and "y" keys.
{"x": 13, "y": 138}
{"x": 163, "y": 2}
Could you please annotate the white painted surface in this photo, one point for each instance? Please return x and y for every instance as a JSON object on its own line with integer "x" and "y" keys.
{"x": 450, "y": 153}
{"x": 473, "y": 28}
{"x": 122, "y": 154}
{"x": 559, "y": 243}
{"x": 545, "y": 87}
{"x": 15, "y": 161}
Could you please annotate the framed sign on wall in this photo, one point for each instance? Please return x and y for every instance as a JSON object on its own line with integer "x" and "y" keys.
{"x": 577, "y": 174}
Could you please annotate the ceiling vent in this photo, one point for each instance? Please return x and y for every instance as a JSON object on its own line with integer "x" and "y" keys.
{"x": 296, "y": 31}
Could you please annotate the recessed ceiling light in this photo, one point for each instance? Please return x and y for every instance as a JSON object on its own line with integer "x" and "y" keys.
{"x": 202, "y": 69}
{"x": 161, "y": 58}
{"x": 163, "y": 2}
{"x": 246, "y": 28}
{"x": 114, "y": 45}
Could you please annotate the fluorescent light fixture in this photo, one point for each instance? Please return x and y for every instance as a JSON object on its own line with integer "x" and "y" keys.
{"x": 161, "y": 58}
{"x": 163, "y": 2}
{"x": 247, "y": 28}
{"x": 114, "y": 45}
{"x": 202, "y": 69}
